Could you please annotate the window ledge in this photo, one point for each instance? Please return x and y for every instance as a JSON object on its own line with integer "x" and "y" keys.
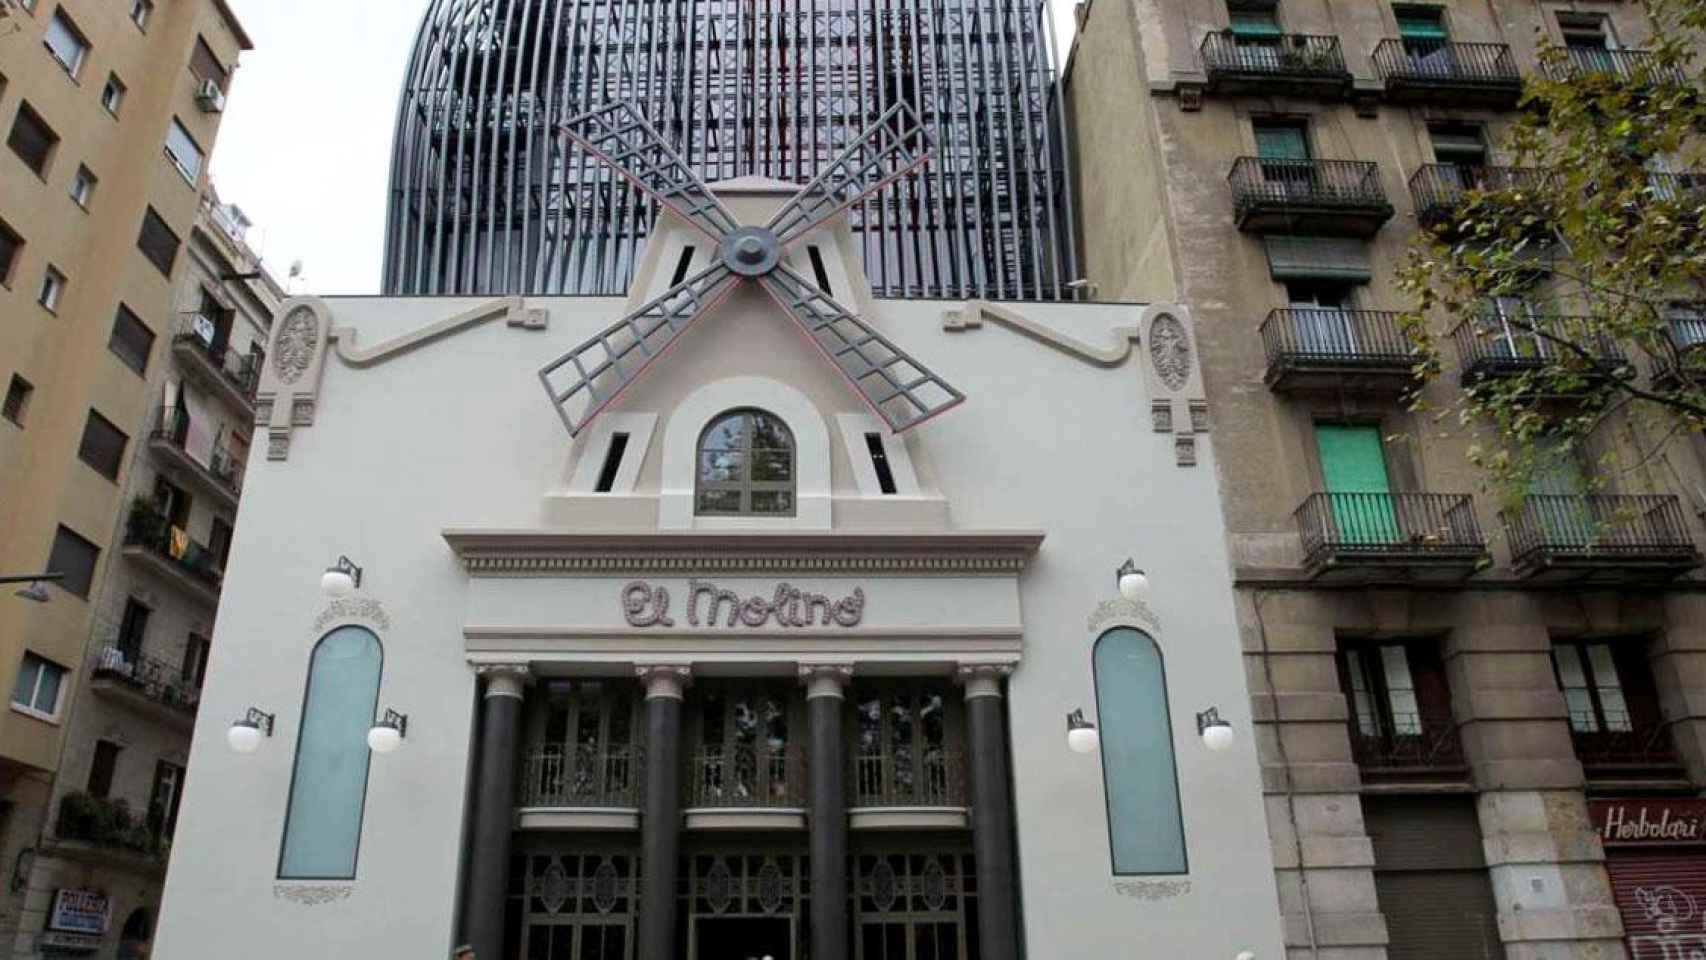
{"x": 35, "y": 714}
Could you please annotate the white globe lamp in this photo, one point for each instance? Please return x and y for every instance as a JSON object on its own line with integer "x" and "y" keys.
{"x": 1217, "y": 734}
{"x": 386, "y": 736}
{"x": 245, "y": 735}
{"x": 1081, "y": 735}
{"x": 1133, "y": 583}
{"x": 340, "y": 579}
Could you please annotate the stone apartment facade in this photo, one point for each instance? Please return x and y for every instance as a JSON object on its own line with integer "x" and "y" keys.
{"x": 1453, "y": 705}
{"x": 111, "y": 110}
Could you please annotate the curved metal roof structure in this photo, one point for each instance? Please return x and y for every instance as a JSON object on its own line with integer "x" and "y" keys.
{"x": 488, "y": 198}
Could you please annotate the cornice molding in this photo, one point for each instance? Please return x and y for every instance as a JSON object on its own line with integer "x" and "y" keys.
{"x": 541, "y": 553}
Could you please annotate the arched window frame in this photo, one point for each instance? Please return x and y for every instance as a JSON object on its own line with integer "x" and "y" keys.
{"x": 746, "y": 486}
{"x": 1172, "y": 751}
{"x": 296, "y": 761}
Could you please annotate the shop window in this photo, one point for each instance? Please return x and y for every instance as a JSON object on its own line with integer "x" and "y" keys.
{"x": 746, "y": 466}
{"x": 322, "y": 827}
{"x": 1145, "y": 824}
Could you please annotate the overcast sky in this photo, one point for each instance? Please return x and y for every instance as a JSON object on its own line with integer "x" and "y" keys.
{"x": 306, "y": 141}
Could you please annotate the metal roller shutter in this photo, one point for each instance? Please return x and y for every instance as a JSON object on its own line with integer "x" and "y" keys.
{"x": 1662, "y": 897}
{"x": 1431, "y": 878}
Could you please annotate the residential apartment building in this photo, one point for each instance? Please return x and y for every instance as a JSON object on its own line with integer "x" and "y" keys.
{"x": 1461, "y": 711}
{"x": 110, "y": 109}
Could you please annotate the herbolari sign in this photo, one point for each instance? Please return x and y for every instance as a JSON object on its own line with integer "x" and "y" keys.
{"x": 1649, "y": 822}
{"x": 648, "y": 605}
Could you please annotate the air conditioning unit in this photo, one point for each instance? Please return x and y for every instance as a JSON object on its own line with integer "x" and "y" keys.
{"x": 210, "y": 98}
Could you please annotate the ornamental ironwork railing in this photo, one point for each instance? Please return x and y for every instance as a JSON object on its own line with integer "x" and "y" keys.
{"x": 1376, "y": 524}
{"x": 1626, "y": 64}
{"x": 1280, "y": 55}
{"x": 1326, "y": 336}
{"x": 159, "y": 681}
{"x": 576, "y": 775}
{"x": 1613, "y": 741}
{"x": 1446, "y": 62}
{"x": 1412, "y": 743}
{"x": 1440, "y": 188}
{"x": 931, "y": 778}
{"x": 747, "y": 775}
{"x": 197, "y": 331}
{"x": 109, "y": 823}
{"x": 150, "y": 530}
{"x": 1684, "y": 188}
{"x": 1598, "y": 525}
{"x": 172, "y": 427}
{"x": 1267, "y": 181}
{"x": 1493, "y": 345}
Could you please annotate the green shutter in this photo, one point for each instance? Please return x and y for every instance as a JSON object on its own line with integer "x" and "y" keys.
{"x": 1254, "y": 24}
{"x": 1281, "y": 143}
{"x": 1421, "y": 27}
{"x": 1352, "y": 463}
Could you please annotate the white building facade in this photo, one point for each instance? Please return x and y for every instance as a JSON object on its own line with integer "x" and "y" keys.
{"x": 737, "y": 669}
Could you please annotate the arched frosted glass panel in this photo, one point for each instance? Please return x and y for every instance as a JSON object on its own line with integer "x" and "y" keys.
{"x": 322, "y": 829}
{"x": 1145, "y": 827}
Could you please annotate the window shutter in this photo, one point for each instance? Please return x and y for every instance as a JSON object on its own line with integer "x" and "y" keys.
{"x": 1343, "y": 259}
{"x": 1351, "y": 459}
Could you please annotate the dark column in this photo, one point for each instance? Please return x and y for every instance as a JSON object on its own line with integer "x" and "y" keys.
{"x": 825, "y": 691}
{"x": 991, "y": 813}
{"x": 660, "y": 827}
{"x": 494, "y": 809}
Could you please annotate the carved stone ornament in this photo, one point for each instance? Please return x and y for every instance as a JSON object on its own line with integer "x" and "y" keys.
{"x": 1152, "y": 890}
{"x": 312, "y": 894}
{"x": 363, "y": 609}
{"x": 1122, "y": 611}
{"x": 294, "y": 348}
{"x": 1170, "y": 348}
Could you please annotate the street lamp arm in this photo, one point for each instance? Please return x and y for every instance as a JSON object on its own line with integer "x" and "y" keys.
{"x": 32, "y": 578}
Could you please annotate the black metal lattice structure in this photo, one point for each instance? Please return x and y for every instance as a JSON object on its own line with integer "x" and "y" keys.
{"x": 487, "y": 198}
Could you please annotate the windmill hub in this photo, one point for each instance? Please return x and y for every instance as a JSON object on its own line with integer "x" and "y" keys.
{"x": 751, "y": 251}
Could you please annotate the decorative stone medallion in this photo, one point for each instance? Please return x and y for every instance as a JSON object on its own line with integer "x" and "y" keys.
{"x": 297, "y": 342}
{"x": 1170, "y": 348}
{"x": 365, "y": 609}
{"x": 1122, "y": 611}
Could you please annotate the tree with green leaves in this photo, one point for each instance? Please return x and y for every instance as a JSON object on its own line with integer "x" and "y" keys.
{"x": 1572, "y": 284}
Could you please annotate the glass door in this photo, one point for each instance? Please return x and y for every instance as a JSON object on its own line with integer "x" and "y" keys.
{"x": 1556, "y": 498}
{"x": 743, "y": 757}
{"x": 1426, "y": 42}
{"x": 1323, "y": 328}
{"x": 1284, "y": 148}
{"x": 585, "y": 753}
{"x": 1353, "y": 464}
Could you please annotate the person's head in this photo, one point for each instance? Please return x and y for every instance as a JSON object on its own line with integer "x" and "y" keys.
{"x": 464, "y": 952}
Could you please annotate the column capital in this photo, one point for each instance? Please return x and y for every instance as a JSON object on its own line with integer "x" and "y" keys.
{"x": 504, "y": 679}
{"x": 825, "y": 679}
{"x": 667, "y": 680}
{"x": 982, "y": 679}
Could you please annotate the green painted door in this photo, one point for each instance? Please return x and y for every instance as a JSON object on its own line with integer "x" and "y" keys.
{"x": 1353, "y": 464}
{"x": 1556, "y": 498}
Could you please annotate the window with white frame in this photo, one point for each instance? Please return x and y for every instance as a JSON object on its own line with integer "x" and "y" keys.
{"x": 52, "y": 289}
{"x": 83, "y": 187}
{"x": 1587, "y": 674}
{"x": 66, "y": 43}
{"x": 39, "y": 684}
{"x": 112, "y": 95}
{"x": 183, "y": 151}
{"x": 140, "y": 11}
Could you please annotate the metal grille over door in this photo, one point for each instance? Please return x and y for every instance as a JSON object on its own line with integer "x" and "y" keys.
{"x": 914, "y": 906}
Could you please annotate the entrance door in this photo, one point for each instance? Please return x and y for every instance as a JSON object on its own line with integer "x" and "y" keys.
{"x": 1556, "y": 491}
{"x": 743, "y": 938}
{"x": 1353, "y": 464}
{"x": 1322, "y": 326}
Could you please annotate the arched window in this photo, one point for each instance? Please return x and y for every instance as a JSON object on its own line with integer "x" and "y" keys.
{"x": 746, "y": 466}
{"x": 322, "y": 828}
{"x": 1145, "y": 825}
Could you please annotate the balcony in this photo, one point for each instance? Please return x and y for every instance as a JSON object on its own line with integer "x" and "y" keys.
{"x": 1415, "y": 750}
{"x": 1440, "y": 191}
{"x": 148, "y": 686}
{"x": 103, "y": 831}
{"x": 746, "y": 787}
{"x": 152, "y": 541}
{"x": 1584, "y": 61}
{"x": 1317, "y": 349}
{"x": 1379, "y": 537}
{"x": 1600, "y": 537}
{"x": 1448, "y": 73}
{"x": 1288, "y": 64}
{"x": 221, "y": 477}
{"x": 1492, "y": 347}
{"x": 576, "y": 787}
{"x": 220, "y": 369}
{"x": 1683, "y": 357}
{"x": 908, "y": 791}
{"x": 1620, "y": 750}
{"x": 1320, "y": 197}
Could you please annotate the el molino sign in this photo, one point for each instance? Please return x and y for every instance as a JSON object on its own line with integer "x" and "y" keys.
{"x": 648, "y": 605}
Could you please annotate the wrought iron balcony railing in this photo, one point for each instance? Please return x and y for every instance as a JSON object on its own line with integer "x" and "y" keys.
{"x": 1275, "y": 57}
{"x": 1332, "y": 196}
{"x": 196, "y": 332}
{"x": 172, "y": 427}
{"x": 1687, "y": 188}
{"x": 1493, "y": 346}
{"x": 1618, "y": 746}
{"x": 1683, "y": 353}
{"x": 575, "y": 775}
{"x": 148, "y": 529}
{"x": 931, "y": 778}
{"x": 1390, "y": 525}
{"x": 747, "y": 776}
{"x": 109, "y": 823}
{"x": 1625, "y": 64}
{"x": 1599, "y": 529}
{"x": 1299, "y": 336}
{"x": 1415, "y": 747}
{"x": 1447, "y": 65}
{"x": 159, "y": 681}
{"x": 1439, "y": 190}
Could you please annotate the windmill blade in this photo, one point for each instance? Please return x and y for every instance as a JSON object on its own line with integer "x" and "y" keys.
{"x": 898, "y": 388}
{"x": 586, "y": 379}
{"x": 619, "y": 135}
{"x": 887, "y": 150}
